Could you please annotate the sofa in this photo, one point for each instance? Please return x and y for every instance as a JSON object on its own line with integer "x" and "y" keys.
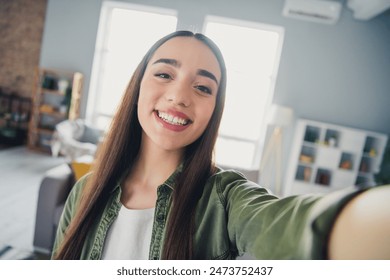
{"x": 53, "y": 191}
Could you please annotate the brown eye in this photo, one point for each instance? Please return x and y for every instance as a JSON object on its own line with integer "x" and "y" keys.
{"x": 163, "y": 76}
{"x": 204, "y": 89}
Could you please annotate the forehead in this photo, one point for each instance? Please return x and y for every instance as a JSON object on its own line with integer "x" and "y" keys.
{"x": 189, "y": 52}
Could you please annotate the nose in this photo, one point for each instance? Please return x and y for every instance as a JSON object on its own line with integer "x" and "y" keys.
{"x": 179, "y": 94}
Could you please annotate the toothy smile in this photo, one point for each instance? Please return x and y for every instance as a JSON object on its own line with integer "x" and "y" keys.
{"x": 174, "y": 120}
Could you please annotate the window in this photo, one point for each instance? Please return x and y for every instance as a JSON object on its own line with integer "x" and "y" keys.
{"x": 120, "y": 46}
{"x": 251, "y": 52}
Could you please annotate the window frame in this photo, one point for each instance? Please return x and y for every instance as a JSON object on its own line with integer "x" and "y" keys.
{"x": 259, "y": 143}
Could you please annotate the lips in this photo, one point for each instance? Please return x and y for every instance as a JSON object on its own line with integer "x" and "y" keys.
{"x": 173, "y": 120}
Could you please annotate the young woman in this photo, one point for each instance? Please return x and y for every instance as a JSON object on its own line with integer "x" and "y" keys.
{"x": 155, "y": 192}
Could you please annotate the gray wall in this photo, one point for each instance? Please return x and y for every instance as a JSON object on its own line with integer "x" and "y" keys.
{"x": 333, "y": 73}
{"x": 69, "y": 38}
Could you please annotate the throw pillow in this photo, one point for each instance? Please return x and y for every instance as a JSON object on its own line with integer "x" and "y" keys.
{"x": 80, "y": 169}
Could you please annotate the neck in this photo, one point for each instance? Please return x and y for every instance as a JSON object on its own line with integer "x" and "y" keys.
{"x": 154, "y": 165}
{"x": 151, "y": 169}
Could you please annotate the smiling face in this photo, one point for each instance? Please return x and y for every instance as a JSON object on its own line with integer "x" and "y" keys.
{"x": 178, "y": 93}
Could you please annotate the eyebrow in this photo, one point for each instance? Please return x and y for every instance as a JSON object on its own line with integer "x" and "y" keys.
{"x": 175, "y": 63}
{"x": 207, "y": 74}
{"x": 169, "y": 61}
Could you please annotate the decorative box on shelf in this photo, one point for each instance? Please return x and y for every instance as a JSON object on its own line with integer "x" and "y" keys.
{"x": 325, "y": 157}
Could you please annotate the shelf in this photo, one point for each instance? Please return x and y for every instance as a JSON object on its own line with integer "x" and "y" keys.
{"x": 52, "y": 91}
{"x": 326, "y": 157}
{"x": 57, "y": 115}
{"x": 347, "y": 161}
{"x": 309, "y": 144}
{"x": 371, "y": 146}
{"x": 312, "y": 134}
{"x": 364, "y": 174}
{"x": 45, "y": 131}
{"x": 307, "y": 155}
{"x": 332, "y": 138}
{"x": 323, "y": 177}
{"x": 303, "y": 173}
{"x": 42, "y": 130}
{"x": 15, "y": 113}
{"x": 366, "y": 165}
{"x": 56, "y": 98}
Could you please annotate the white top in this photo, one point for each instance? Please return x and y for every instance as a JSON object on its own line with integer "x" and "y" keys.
{"x": 129, "y": 235}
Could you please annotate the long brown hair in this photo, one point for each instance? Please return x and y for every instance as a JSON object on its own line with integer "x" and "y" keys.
{"x": 119, "y": 151}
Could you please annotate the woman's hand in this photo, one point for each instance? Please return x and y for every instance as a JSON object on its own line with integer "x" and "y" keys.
{"x": 362, "y": 230}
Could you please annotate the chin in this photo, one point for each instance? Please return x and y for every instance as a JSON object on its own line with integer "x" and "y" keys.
{"x": 171, "y": 147}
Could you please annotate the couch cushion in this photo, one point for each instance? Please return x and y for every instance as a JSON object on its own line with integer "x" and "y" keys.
{"x": 81, "y": 166}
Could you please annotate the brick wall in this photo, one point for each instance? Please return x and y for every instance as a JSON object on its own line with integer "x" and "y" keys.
{"x": 21, "y": 28}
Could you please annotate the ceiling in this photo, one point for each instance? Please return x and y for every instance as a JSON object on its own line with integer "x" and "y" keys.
{"x": 367, "y": 9}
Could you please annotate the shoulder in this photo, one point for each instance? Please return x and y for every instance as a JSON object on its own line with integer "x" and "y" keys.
{"x": 73, "y": 200}
{"x": 80, "y": 184}
{"x": 229, "y": 177}
{"x": 77, "y": 189}
{"x": 230, "y": 183}
{"x": 226, "y": 176}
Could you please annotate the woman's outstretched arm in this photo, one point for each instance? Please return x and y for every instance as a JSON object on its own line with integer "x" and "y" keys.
{"x": 362, "y": 230}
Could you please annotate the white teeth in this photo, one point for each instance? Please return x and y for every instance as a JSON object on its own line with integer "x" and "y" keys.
{"x": 172, "y": 119}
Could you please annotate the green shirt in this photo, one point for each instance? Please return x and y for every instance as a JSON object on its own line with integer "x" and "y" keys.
{"x": 234, "y": 216}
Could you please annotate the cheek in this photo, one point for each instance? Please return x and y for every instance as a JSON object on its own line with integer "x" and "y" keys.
{"x": 144, "y": 104}
{"x": 207, "y": 112}
{"x": 146, "y": 96}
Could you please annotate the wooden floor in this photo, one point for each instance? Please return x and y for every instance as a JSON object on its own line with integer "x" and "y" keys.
{"x": 21, "y": 172}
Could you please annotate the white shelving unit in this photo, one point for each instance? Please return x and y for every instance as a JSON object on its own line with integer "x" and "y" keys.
{"x": 326, "y": 157}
